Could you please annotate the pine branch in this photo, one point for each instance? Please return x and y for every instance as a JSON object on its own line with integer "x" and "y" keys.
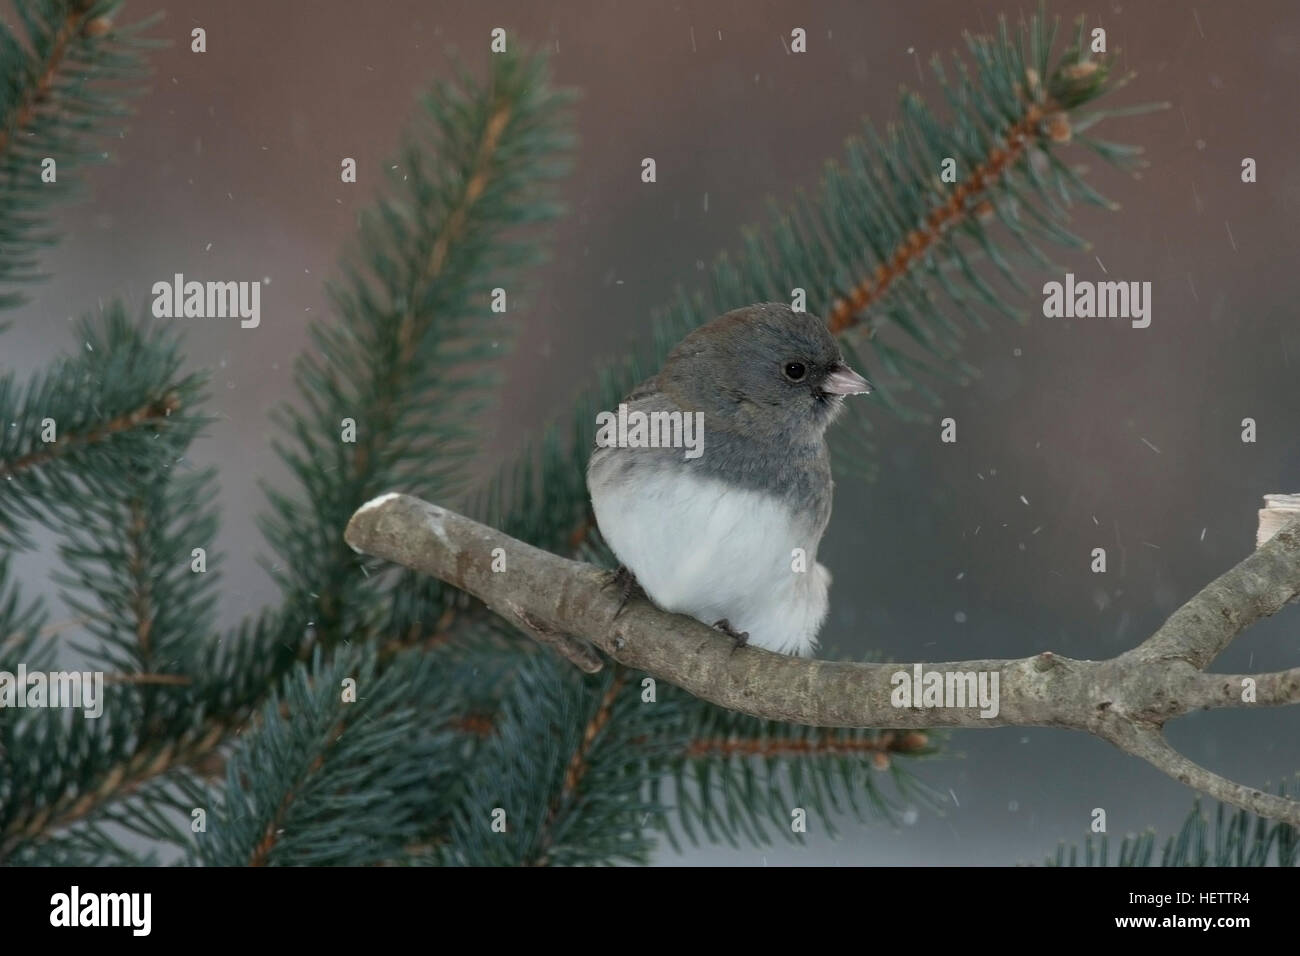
{"x": 119, "y": 405}
{"x": 50, "y": 61}
{"x": 100, "y": 768}
{"x": 713, "y": 771}
{"x": 150, "y": 413}
{"x": 1125, "y": 700}
{"x": 61, "y": 94}
{"x": 415, "y": 330}
{"x": 561, "y": 781}
{"x": 128, "y": 524}
{"x": 151, "y": 812}
{"x": 409, "y": 362}
{"x": 22, "y": 626}
{"x": 739, "y": 777}
{"x": 1242, "y": 839}
{"x": 1039, "y": 122}
{"x": 579, "y": 762}
{"x": 129, "y": 574}
{"x": 328, "y": 781}
{"x": 43, "y": 802}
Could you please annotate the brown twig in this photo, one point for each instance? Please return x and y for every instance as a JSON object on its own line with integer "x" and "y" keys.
{"x": 48, "y": 631}
{"x": 167, "y": 680}
{"x": 577, "y": 767}
{"x": 118, "y": 783}
{"x": 476, "y": 725}
{"x": 154, "y": 411}
{"x": 961, "y": 202}
{"x": 442, "y": 633}
{"x": 578, "y": 764}
{"x": 72, "y": 24}
{"x": 140, "y": 580}
{"x": 826, "y": 744}
{"x": 271, "y": 835}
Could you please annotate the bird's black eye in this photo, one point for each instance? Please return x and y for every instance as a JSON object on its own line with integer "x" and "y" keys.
{"x": 795, "y": 371}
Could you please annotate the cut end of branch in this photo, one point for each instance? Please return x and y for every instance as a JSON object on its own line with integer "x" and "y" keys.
{"x": 1278, "y": 511}
{"x": 358, "y": 529}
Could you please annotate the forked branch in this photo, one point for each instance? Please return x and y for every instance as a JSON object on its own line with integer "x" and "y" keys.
{"x": 1125, "y": 700}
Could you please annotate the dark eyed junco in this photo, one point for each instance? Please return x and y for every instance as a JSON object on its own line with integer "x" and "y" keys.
{"x": 727, "y": 532}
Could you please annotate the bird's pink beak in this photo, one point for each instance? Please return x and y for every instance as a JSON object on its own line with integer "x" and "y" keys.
{"x": 842, "y": 380}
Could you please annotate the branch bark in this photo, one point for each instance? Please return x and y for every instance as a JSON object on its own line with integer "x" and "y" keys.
{"x": 1125, "y": 700}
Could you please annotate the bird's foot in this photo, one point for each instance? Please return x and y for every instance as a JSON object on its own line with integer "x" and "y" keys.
{"x": 739, "y": 638}
{"x": 627, "y": 585}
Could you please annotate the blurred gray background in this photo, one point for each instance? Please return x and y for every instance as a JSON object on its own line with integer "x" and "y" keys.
{"x": 231, "y": 171}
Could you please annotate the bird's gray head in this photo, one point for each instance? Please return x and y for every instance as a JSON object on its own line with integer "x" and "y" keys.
{"x": 764, "y": 370}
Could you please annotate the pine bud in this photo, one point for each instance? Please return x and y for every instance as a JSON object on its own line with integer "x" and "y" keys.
{"x": 914, "y": 740}
{"x": 1058, "y": 128}
{"x": 1082, "y": 70}
{"x": 97, "y": 27}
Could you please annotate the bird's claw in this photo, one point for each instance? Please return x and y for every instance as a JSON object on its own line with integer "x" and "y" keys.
{"x": 739, "y": 638}
{"x": 627, "y": 585}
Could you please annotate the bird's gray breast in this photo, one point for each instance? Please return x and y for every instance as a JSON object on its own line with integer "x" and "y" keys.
{"x": 796, "y": 473}
{"x": 800, "y": 475}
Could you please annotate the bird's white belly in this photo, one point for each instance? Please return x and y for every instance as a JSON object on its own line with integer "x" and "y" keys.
{"x": 714, "y": 551}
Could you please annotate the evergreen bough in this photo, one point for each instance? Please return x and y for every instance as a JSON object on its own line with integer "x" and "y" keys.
{"x": 454, "y": 714}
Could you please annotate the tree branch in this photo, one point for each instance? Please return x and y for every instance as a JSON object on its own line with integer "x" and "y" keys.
{"x": 1256, "y": 588}
{"x": 24, "y": 112}
{"x": 119, "y": 782}
{"x": 155, "y": 411}
{"x": 965, "y": 200}
{"x": 1125, "y": 700}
